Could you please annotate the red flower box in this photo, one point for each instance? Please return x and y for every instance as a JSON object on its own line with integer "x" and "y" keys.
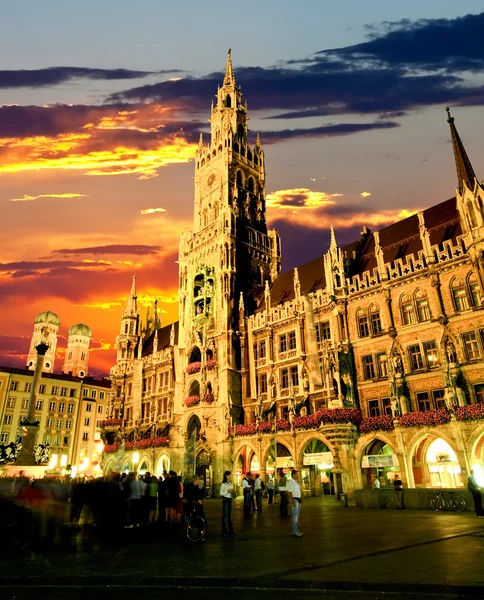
{"x": 193, "y": 367}
{"x": 140, "y": 444}
{"x": 211, "y": 364}
{"x": 429, "y": 418}
{"x": 308, "y": 422}
{"x": 340, "y": 415}
{"x": 382, "y": 423}
{"x": 160, "y": 441}
{"x": 191, "y": 401}
{"x": 283, "y": 425}
{"x": 129, "y": 445}
{"x": 108, "y": 448}
{"x": 472, "y": 412}
{"x": 209, "y": 398}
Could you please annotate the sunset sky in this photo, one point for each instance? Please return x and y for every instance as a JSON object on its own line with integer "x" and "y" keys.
{"x": 102, "y": 105}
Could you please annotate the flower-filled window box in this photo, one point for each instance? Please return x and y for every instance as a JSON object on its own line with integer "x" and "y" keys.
{"x": 283, "y": 425}
{"x": 140, "y": 444}
{"x": 193, "y": 367}
{"x": 429, "y": 418}
{"x": 192, "y": 401}
{"x": 108, "y": 448}
{"x": 340, "y": 415}
{"x": 209, "y": 398}
{"x": 472, "y": 412}
{"x": 158, "y": 442}
{"x": 129, "y": 445}
{"x": 381, "y": 423}
{"x": 211, "y": 364}
{"x": 308, "y": 422}
{"x": 265, "y": 427}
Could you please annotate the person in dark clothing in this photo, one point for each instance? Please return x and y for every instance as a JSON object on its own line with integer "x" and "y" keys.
{"x": 247, "y": 491}
{"x": 77, "y": 501}
{"x": 398, "y": 487}
{"x": 475, "y": 490}
{"x": 162, "y": 498}
{"x": 281, "y": 486}
{"x": 194, "y": 497}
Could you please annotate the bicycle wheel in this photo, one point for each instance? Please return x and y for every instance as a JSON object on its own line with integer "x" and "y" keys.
{"x": 196, "y": 529}
{"x": 459, "y": 504}
{"x": 437, "y": 504}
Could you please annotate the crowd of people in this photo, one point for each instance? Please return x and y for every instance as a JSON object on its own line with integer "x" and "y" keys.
{"x": 39, "y": 508}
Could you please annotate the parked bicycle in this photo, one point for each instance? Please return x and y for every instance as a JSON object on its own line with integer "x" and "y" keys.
{"x": 196, "y": 525}
{"x": 455, "y": 503}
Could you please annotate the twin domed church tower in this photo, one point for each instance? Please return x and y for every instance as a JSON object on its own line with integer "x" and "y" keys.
{"x": 46, "y": 328}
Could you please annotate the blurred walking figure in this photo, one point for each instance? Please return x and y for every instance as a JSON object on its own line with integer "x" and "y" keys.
{"x": 294, "y": 494}
{"x": 172, "y": 496}
{"x": 270, "y": 490}
{"x": 398, "y": 487}
{"x": 227, "y": 493}
{"x": 475, "y": 490}
{"x": 281, "y": 485}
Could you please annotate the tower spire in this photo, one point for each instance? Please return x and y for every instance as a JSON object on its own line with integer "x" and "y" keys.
{"x": 465, "y": 172}
{"x": 229, "y": 70}
{"x": 131, "y": 309}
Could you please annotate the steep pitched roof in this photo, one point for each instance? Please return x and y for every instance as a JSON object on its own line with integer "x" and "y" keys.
{"x": 164, "y": 334}
{"x": 398, "y": 240}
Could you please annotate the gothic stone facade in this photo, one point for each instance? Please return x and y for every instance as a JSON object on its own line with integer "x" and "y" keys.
{"x": 263, "y": 369}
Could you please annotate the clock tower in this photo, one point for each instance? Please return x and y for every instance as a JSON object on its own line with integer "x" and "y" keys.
{"x": 224, "y": 263}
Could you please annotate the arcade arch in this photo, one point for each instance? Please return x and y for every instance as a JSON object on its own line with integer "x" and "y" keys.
{"x": 379, "y": 458}
{"x": 435, "y": 463}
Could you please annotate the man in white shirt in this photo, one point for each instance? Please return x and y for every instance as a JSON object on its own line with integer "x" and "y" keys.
{"x": 293, "y": 490}
{"x": 270, "y": 490}
{"x": 376, "y": 483}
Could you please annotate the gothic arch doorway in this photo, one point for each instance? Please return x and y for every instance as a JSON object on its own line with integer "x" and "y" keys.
{"x": 379, "y": 459}
{"x": 203, "y": 467}
{"x": 316, "y": 470}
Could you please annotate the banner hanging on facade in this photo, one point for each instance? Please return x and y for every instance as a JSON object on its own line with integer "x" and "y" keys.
{"x": 318, "y": 458}
{"x": 371, "y": 461}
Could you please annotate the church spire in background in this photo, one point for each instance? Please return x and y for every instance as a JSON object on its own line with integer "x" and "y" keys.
{"x": 465, "y": 172}
{"x": 131, "y": 309}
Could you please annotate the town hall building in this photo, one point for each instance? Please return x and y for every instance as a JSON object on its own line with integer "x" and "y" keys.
{"x": 367, "y": 361}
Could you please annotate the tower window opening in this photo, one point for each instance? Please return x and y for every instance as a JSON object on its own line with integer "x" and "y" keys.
{"x": 250, "y": 185}
{"x": 228, "y": 101}
{"x": 249, "y": 155}
{"x": 256, "y": 160}
{"x": 236, "y": 147}
{"x": 214, "y": 153}
{"x": 242, "y": 150}
{"x": 240, "y": 132}
{"x": 220, "y": 149}
{"x": 239, "y": 178}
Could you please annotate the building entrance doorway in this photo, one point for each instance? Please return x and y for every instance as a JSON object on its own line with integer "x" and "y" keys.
{"x": 316, "y": 470}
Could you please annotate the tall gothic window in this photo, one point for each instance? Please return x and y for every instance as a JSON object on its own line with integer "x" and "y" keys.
{"x": 422, "y": 305}
{"x": 408, "y": 313}
{"x": 459, "y": 295}
{"x": 375, "y": 320}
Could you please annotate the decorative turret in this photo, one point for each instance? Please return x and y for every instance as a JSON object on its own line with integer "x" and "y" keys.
{"x": 465, "y": 172}
{"x": 334, "y": 267}
{"x": 46, "y": 327}
{"x": 77, "y": 353}
{"x": 127, "y": 339}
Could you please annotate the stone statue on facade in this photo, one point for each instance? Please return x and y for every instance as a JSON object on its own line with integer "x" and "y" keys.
{"x": 395, "y": 404}
{"x": 397, "y": 363}
{"x": 305, "y": 382}
{"x": 450, "y": 352}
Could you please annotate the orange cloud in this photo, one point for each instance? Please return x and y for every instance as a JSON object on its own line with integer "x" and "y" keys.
{"x": 28, "y": 198}
{"x": 299, "y": 198}
{"x": 150, "y": 211}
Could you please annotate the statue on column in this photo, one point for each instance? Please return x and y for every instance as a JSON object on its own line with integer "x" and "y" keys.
{"x": 397, "y": 363}
{"x": 450, "y": 353}
{"x": 305, "y": 382}
{"x": 396, "y": 412}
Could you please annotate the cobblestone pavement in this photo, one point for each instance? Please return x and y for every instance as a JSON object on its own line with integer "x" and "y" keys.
{"x": 349, "y": 551}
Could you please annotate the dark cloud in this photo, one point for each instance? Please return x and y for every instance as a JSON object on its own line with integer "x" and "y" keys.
{"x": 50, "y": 76}
{"x": 403, "y": 67}
{"x": 112, "y": 249}
{"x": 324, "y": 131}
{"x": 433, "y": 44}
{"x": 31, "y": 267}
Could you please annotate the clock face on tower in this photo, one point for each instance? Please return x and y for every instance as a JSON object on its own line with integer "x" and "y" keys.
{"x": 211, "y": 179}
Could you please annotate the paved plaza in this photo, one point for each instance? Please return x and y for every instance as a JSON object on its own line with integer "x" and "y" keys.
{"x": 348, "y": 551}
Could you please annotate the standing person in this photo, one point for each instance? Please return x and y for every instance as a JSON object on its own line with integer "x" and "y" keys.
{"x": 179, "y": 504}
{"x": 172, "y": 496}
{"x": 294, "y": 497}
{"x": 270, "y": 490}
{"x": 398, "y": 487}
{"x": 475, "y": 490}
{"x": 162, "y": 498}
{"x": 281, "y": 485}
{"x": 376, "y": 490}
{"x": 226, "y": 492}
{"x": 258, "y": 492}
{"x": 246, "y": 490}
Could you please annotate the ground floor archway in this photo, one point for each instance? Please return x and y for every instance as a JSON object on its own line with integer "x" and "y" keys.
{"x": 379, "y": 460}
{"x": 317, "y": 469}
{"x": 435, "y": 463}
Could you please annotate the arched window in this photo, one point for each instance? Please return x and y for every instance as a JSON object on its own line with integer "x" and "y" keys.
{"x": 363, "y": 325}
{"x": 131, "y": 327}
{"x": 195, "y": 355}
{"x": 236, "y": 147}
{"x": 208, "y": 157}
{"x": 205, "y": 218}
{"x": 214, "y": 153}
{"x": 126, "y": 326}
{"x": 239, "y": 179}
{"x": 408, "y": 312}
{"x": 203, "y": 162}
{"x": 220, "y": 149}
{"x": 256, "y": 160}
{"x": 249, "y": 155}
{"x": 422, "y": 304}
{"x": 228, "y": 101}
{"x": 375, "y": 320}
{"x": 474, "y": 292}
{"x": 459, "y": 295}
{"x": 250, "y": 185}
{"x": 240, "y": 132}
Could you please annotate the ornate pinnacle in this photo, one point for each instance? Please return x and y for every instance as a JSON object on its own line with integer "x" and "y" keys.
{"x": 257, "y": 141}
{"x": 200, "y": 141}
{"x": 229, "y": 69}
{"x": 333, "y": 243}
